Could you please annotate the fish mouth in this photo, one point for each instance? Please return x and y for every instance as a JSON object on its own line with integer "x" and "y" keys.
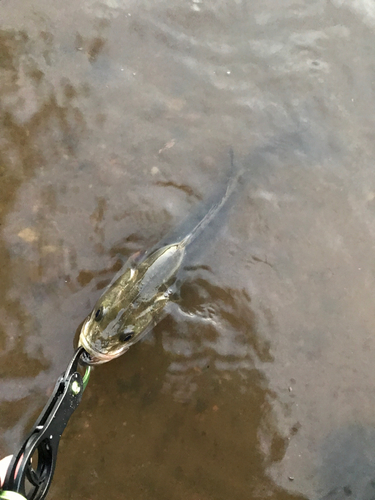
{"x": 92, "y": 356}
{"x": 89, "y": 356}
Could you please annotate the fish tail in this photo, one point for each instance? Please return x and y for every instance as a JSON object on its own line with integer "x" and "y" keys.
{"x": 202, "y": 224}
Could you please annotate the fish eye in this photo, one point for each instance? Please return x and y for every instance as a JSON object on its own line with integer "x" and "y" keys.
{"x": 99, "y": 314}
{"x": 125, "y": 336}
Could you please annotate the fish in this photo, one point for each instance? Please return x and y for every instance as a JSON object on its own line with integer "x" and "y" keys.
{"x": 137, "y": 297}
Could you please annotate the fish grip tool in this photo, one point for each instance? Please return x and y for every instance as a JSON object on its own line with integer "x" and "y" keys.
{"x": 22, "y": 477}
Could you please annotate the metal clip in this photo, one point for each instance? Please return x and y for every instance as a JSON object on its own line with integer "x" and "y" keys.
{"x": 23, "y": 476}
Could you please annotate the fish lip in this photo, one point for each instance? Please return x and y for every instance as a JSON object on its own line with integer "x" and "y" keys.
{"x": 96, "y": 358}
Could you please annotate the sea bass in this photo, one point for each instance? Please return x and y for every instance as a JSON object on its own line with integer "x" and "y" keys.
{"x": 136, "y": 300}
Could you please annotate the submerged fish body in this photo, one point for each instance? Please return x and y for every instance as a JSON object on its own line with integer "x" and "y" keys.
{"x": 136, "y": 300}
{"x": 131, "y": 306}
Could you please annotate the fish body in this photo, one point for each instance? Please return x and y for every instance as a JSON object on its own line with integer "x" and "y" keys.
{"x": 136, "y": 300}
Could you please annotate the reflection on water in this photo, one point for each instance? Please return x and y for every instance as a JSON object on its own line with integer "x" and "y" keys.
{"x": 184, "y": 430}
{"x": 216, "y": 330}
{"x": 116, "y": 121}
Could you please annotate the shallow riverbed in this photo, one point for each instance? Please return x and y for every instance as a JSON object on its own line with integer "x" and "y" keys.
{"x": 116, "y": 121}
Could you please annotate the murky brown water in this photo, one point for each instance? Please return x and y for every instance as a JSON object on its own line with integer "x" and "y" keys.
{"x": 116, "y": 120}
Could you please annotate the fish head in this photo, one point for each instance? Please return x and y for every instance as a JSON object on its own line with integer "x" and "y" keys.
{"x": 107, "y": 332}
{"x": 129, "y": 308}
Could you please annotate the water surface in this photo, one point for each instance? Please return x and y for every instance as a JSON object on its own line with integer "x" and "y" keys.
{"x": 116, "y": 122}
